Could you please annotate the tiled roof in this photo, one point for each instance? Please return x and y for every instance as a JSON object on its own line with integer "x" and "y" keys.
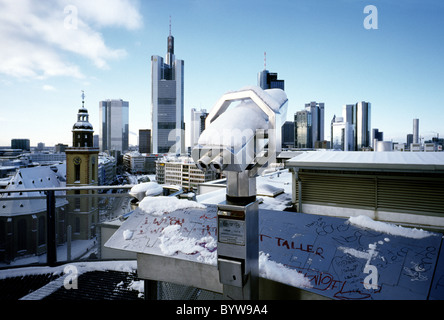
{"x": 93, "y": 285}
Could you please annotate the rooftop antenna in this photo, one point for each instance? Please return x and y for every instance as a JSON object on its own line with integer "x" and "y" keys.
{"x": 170, "y": 25}
{"x": 265, "y": 60}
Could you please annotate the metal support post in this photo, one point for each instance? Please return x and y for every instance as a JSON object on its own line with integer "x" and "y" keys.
{"x": 238, "y": 250}
{"x": 150, "y": 288}
{"x": 51, "y": 245}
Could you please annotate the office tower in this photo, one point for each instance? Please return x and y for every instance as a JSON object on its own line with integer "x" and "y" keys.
{"x": 341, "y": 134}
{"x": 113, "y": 125}
{"x": 359, "y": 116}
{"x": 288, "y": 134}
{"x": 23, "y": 144}
{"x": 317, "y": 121}
{"x": 197, "y": 124}
{"x": 415, "y": 130}
{"x": 96, "y": 139}
{"x": 409, "y": 140}
{"x": 40, "y": 146}
{"x": 145, "y": 141}
{"x": 167, "y": 105}
{"x": 302, "y": 129}
{"x": 376, "y": 136}
{"x": 363, "y": 125}
{"x": 268, "y": 80}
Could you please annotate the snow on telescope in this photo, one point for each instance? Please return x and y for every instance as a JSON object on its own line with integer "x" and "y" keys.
{"x": 244, "y": 136}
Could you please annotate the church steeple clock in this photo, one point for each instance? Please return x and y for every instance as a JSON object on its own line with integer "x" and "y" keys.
{"x": 82, "y": 157}
{"x": 82, "y": 171}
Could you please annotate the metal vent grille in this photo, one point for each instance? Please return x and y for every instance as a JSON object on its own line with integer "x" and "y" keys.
{"x": 401, "y": 193}
{"x": 171, "y": 291}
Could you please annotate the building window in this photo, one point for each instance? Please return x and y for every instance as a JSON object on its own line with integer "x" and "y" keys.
{"x": 77, "y": 225}
{"x": 77, "y": 172}
{"x": 42, "y": 231}
{"x": 22, "y": 233}
{"x": 77, "y": 200}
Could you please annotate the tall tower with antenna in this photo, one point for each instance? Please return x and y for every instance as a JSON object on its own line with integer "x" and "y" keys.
{"x": 267, "y": 80}
{"x": 170, "y": 53}
{"x": 265, "y": 60}
{"x": 167, "y": 102}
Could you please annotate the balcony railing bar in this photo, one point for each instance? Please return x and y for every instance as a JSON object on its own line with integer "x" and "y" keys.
{"x": 51, "y": 254}
{"x": 127, "y": 187}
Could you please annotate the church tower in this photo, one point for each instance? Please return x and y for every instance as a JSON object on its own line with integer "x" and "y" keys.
{"x": 82, "y": 171}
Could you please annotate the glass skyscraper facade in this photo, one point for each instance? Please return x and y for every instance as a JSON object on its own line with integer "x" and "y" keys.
{"x": 341, "y": 135}
{"x": 303, "y": 124}
{"x": 309, "y": 125}
{"x": 359, "y": 116}
{"x": 167, "y": 102}
{"x": 114, "y": 125}
{"x": 267, "y": 80}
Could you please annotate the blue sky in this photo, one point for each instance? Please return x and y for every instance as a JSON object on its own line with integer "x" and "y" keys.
{"x": 320, "y": 48}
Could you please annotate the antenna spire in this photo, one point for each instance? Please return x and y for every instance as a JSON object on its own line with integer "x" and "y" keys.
{"x": 265, "y": 60}
{"x": 170, "y": 25}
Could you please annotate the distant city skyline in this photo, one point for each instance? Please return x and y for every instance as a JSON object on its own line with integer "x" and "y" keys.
{"x": 325, "y": 51}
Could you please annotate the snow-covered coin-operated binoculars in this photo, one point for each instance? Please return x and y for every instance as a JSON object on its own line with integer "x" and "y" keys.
{"x": 241, "y": 141}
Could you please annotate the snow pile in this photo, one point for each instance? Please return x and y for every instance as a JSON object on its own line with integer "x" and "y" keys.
{"x": 137, "y": 285}
{"x": 158, "y": 206}
{"x": 274, "y": 98}
{"x": 269, "y": 190}
{"x": 367, "y": 222}
{"x": 127, "y": 234}
{"x": 278, "y": 272}
{"x": 172, "y": 242}
{"x": 141, "y": 190}
{"x": 235, "y": 126}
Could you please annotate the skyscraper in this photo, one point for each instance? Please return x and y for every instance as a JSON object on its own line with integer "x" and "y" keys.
{"x": 114, "y": 127}
{"x": 376, "y": 136}
{"x": 359, "y": 116}
{"x": 341, "y": 135}
{"x": 167, "y": 105}
{"x": 317, "y": 118}
{"x": 363, "y": 125}
{"x": 197, "y": 124}
{"x": 415, "y": 130}
{"x": 145, "y": 140}
{"x": 302, "y": 129}
{"x": 309, "y": 125}
{"x": 287, "y": 134}
{"x": 267, "y": 80}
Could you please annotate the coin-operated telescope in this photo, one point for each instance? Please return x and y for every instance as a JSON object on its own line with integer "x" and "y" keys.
{"x": 241, "y": 138}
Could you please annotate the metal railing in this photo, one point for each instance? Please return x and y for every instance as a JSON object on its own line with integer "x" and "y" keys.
{"x": 51, "y": 194}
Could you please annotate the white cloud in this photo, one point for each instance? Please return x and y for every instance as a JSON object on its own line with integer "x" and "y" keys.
{"x": 38, "y": 36}
{"x": 48, "y": 87}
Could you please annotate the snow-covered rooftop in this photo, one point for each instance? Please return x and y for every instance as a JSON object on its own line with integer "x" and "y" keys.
{"x": 29, "y": 178}
{"x": 389, "y": 160}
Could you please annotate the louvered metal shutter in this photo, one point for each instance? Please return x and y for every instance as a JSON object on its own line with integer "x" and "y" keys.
{"x": 336, "y": 189}
{"x": 411, "y": 195}
{"x": 397, "y": 193}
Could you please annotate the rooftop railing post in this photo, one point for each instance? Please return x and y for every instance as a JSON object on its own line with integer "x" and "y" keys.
{"x": 51, "y": 245}
{"x": 150, "y": 288}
